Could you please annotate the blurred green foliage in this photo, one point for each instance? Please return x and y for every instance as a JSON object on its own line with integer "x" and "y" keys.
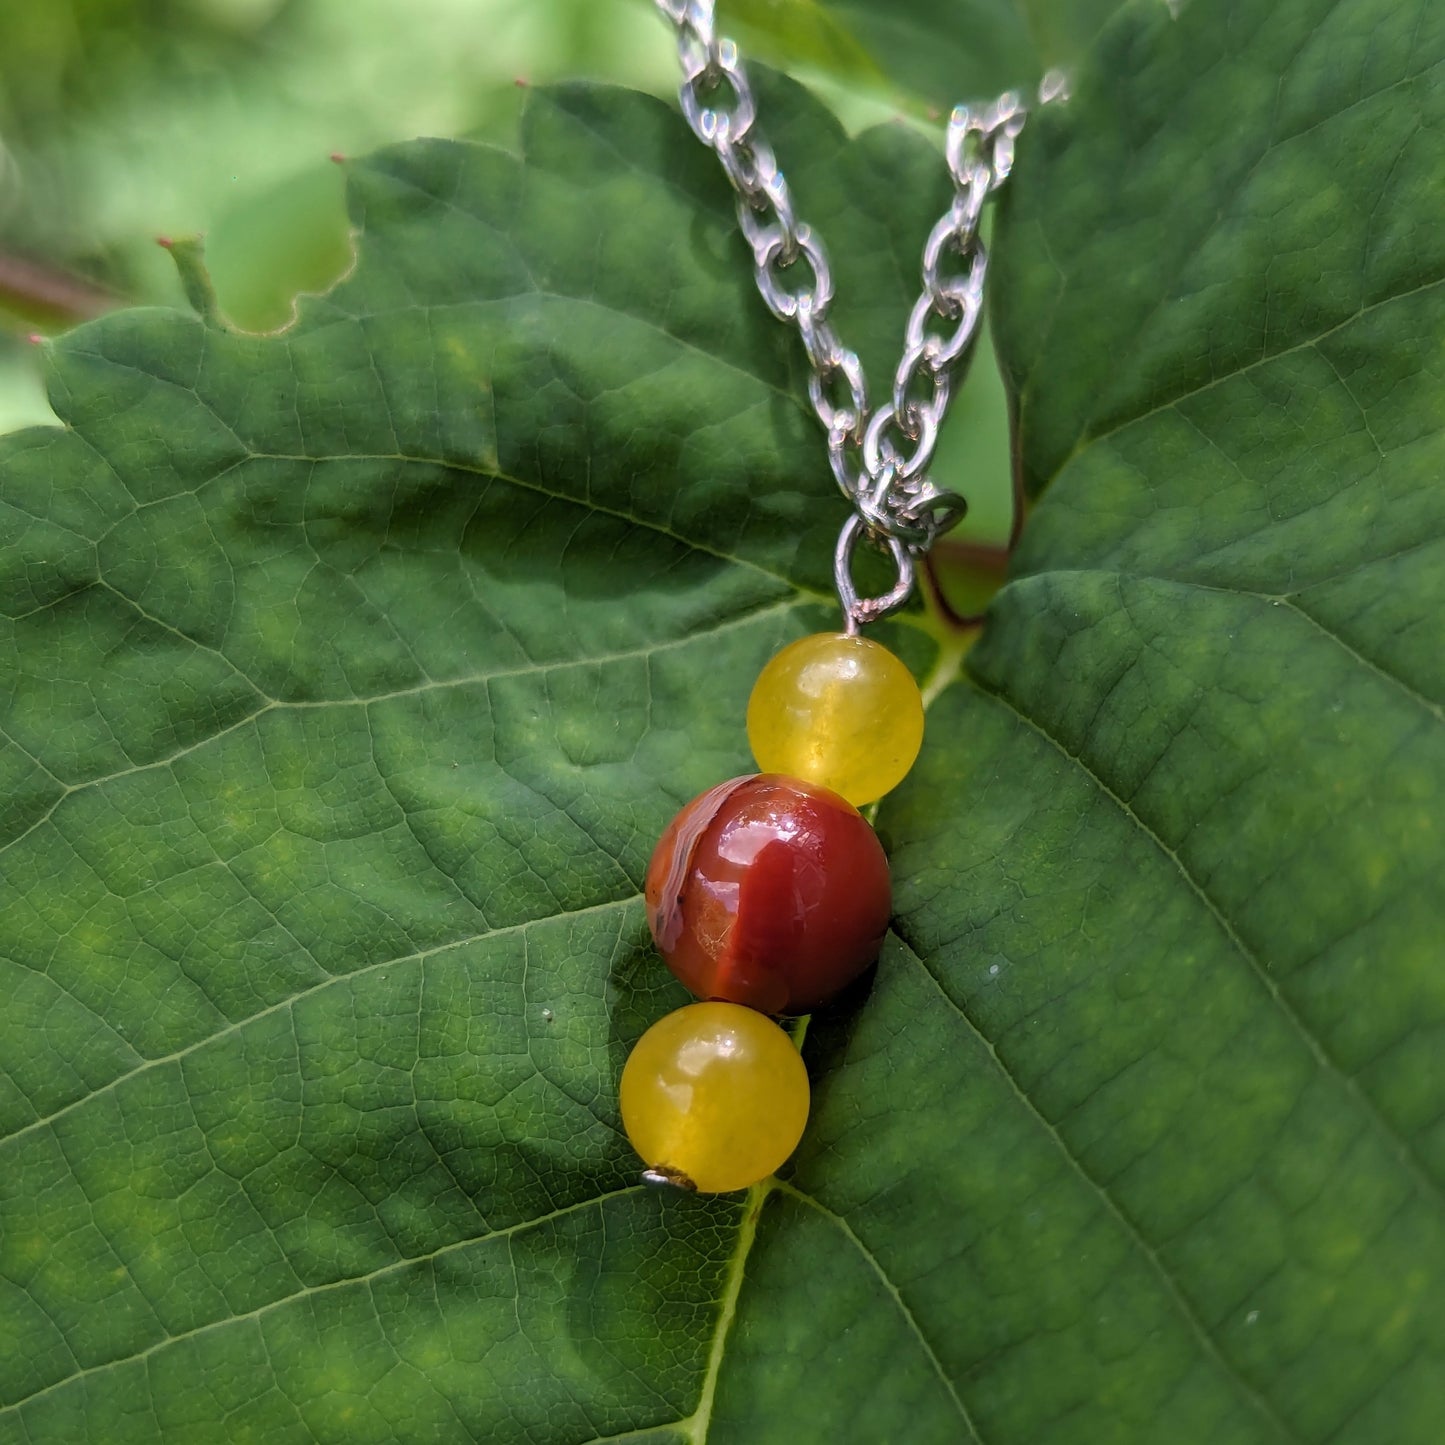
{"x": 125, "y": 120}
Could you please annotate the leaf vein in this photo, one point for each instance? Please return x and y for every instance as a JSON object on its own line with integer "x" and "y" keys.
{"x": 741, "y": 619}
{"x": 368, "y": 1278}
{"x": 291, "y": 1000}
{"x": 1305, "y": 344}
{"x": 1403, "y": 1147}
{"x": 897, "y": 1295}
{"x": 1131, "y": 1230}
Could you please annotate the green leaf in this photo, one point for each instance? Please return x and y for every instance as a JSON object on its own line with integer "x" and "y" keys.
{"x": 932, "y": 53}
{"x": 803, "y": 32}
{"x": 353, "y": 672}
{"x": 351, "y": 675}
{"x": 1216, "y": 931}
{"x": 122, "y": 121}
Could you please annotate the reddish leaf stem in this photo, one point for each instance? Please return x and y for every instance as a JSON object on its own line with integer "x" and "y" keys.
{"x": 29, "y": 287}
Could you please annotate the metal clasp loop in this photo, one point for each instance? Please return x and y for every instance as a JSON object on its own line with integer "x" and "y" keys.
{"x": 858, "y": 611}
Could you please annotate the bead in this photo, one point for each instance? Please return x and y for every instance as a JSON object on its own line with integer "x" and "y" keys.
{"x": 770, "y": 892}
{"x": 839, "y": 711}
{"x": 714, "y": 1097}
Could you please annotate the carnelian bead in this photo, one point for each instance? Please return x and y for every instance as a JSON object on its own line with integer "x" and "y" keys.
{"x": 839, "y": 711}
{"x": 770, "y": 892}
{"x": 714, "y": 1097}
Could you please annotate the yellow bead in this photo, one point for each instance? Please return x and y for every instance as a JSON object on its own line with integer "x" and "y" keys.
{"x": 839, "y": 711}
{"x": 715, "y": 1096}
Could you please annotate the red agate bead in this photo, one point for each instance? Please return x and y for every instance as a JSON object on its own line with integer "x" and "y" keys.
{"x": 770, "y": 892}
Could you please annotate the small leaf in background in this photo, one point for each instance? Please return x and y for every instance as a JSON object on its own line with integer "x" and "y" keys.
{"x": 119, "y": 124}
{"x": 268, "y": 252}
{"x": 933, "y": 53}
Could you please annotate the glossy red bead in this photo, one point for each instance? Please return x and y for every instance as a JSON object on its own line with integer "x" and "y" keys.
{"x": 770, "y": 892}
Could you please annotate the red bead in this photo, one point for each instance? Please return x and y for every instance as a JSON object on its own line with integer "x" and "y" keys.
{"x": 769, "y": 892}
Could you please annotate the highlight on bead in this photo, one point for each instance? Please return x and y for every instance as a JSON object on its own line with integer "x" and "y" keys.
{"x": 714, "y": 1097}
{"x": 839, "y": 711}
{"x": 770, "y": 892}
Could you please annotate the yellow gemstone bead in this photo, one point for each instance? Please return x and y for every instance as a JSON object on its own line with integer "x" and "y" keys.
{"x": 715, "y": 1096}
{"x": 839, "y": 711}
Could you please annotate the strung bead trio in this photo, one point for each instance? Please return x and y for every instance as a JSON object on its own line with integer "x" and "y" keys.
{"x": 767, "y": 895}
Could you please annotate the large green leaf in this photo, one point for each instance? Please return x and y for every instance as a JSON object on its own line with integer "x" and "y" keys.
{"x": 353, "y": 672}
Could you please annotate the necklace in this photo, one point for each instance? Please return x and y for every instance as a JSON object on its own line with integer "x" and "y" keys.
{"x": 769, "y": 894}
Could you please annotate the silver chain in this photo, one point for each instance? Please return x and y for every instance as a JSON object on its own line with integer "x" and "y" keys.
{"x": 879, "y": 458}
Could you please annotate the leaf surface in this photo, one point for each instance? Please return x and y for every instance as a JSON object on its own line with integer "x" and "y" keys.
{"x": 355, "y": 670}
{"x": 936, "y": 53}
{"x": 951, "y": 51}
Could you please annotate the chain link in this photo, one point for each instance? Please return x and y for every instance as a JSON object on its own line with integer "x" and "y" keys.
{"x": 879, "y": 458}
{"x": 718, "y": 103}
